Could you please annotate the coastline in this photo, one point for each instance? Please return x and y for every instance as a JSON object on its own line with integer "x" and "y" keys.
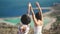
{"x": 2, "y": 21}
{"x": 48, "y": 26}
{"x": 44, "y": 15}
{"x": 49, "y": 12}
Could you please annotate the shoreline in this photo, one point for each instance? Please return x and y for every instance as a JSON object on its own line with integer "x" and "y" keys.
{"x": 49, "y": 12}
{"x": 44, "y": 15}
{"x": 48, "y": 26}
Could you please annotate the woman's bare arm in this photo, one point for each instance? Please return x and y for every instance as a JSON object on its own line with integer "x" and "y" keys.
{"x": 28, "y": 9}
{"x": 40, "y": 10}
{"x": 33, "y": 15}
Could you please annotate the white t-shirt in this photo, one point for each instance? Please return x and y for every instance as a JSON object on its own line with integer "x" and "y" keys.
{"x": 38, "y": 30}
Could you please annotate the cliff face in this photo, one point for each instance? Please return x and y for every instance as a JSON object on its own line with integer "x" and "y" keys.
{"x": 8, "y": 29}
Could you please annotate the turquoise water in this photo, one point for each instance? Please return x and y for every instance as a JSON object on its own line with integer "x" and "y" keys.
{"x": 13, "y": 20}
{"x": 17, "y": 20}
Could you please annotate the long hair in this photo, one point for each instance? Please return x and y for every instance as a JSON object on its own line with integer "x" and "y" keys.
{"x": 38, "y": 16}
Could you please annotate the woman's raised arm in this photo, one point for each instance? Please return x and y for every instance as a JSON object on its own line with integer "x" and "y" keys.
{"x": 33, "y": 15}
{"x": 40, "y": 10}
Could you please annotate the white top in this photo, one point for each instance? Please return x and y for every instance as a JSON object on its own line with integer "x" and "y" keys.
{"x": 26, "y": 31}
{"x": 38, "y": 30}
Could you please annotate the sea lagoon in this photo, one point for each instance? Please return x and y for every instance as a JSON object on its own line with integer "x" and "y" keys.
{"x": 17, "y": 20}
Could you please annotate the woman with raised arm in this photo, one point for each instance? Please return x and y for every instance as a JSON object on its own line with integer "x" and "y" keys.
{"x": 38, "y": 19}
{"x": 25, "y": 19}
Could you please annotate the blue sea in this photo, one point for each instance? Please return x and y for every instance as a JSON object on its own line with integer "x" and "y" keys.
{"x": 15, "y": 8}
